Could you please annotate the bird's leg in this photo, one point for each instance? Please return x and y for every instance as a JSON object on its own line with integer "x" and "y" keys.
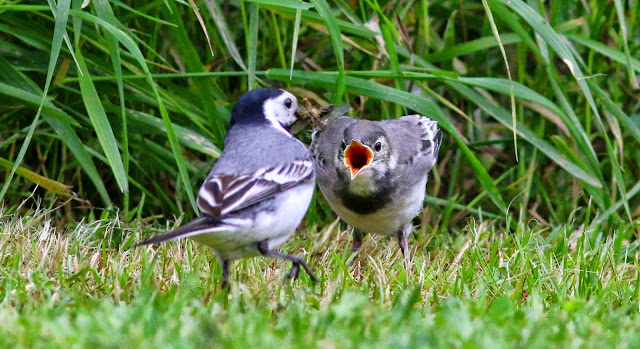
{"x": 357, "y": 240}
{"x": 263, "y": 248}
{"x": 358, "y": 235}
{"x": 403, "y": 241}
{"x": 225, "y": 274}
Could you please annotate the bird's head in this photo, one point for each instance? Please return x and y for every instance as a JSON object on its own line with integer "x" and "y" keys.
{"x": 366, "y": 152}
{"x": 273, "y": 105}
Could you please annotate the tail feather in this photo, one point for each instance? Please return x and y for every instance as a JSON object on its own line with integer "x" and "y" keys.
{"x": 191, "y": 228}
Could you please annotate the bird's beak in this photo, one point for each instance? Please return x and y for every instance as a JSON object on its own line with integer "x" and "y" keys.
{"x": 357, "y": 156}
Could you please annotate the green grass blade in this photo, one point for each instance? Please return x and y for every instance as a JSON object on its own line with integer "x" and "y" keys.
{"x": 131, "y": 46}
{"x": 205, "y": 88}
{"x": 203, "y": 26}
{"x": 575, "y": 127}
{"x": 633, "y": 79}
{"x": 504, "y": 86}
{"x": 187, "y": 137}
{"x": 602, "y": 217}
{"x": 252, "y": 49}
{"x": 47, "y": 183}
{"x": 294, "y": 44}
{"x": 336, "y": 41}
{"x": 73, "y": 142}
{"x": 503, "y": 117}
{"x": 512, "y": 21}
{"x": 389, "y": 36}
{"x": 615, "y": 109}
{"x": 63, "y": 129}
{"x": 225, "y": 34}
{"x": 104, "y": 11}
{"x": 496, "y": 34}
{"x": 65, "y": 37}
{"x": 569, "y": 118}
{"x": 277, "y": 35}
{"x": 35, "y": 100}
{"x": 59, "y": 31}
{"x": 312, "y": 17}
{"x": 603, "y": 49}
{"x": 294, "y": 4}
{"x": 470, "y": 47}
{"x": 552, "y": 38}
{"x": 142, "y": 14}
{"x": 101, "y": 125}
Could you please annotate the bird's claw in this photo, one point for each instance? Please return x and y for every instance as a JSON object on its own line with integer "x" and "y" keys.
{"x": 293, "y": 274}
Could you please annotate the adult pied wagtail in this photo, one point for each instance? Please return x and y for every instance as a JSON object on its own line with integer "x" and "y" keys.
{"x": 259, "y": 189}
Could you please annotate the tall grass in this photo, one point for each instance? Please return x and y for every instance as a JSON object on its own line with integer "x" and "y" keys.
{"x": 128, "y": 103}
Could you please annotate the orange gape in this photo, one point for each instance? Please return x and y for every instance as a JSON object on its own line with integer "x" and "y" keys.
{"x": 357, "y": 156}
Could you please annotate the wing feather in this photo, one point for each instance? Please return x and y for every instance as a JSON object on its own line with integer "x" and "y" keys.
{"x": 420, "y": 139}
{"x": 223, "y": 194}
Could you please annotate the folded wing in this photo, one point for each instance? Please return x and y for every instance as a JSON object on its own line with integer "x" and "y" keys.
{"x": 223, "y": 194}
{"x": 420, "y": 139}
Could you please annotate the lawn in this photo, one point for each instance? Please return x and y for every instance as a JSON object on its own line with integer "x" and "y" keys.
{"x": 482, "y": 287}
{"x": 112, "y": 113}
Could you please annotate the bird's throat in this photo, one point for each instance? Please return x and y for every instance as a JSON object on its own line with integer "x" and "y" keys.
{"x": 363, "y": 184}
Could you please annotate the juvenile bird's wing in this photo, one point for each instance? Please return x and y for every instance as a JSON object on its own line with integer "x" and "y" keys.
{"x": 416, "y": 140}
{"x": 223, "y": 194}
{"x": 326, "y": 143}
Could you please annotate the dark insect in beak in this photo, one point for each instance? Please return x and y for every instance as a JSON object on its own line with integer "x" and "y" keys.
{"x": 357, "y": 156}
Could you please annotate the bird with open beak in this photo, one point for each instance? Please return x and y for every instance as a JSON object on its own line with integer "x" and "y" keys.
{"x": 374, "y": 173}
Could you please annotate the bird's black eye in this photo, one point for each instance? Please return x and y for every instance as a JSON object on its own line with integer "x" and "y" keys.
{"x": 377, "y": 146}
{"x": 288, "y": 103}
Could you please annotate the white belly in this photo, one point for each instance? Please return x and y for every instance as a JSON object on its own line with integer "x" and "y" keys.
{"x": 387, "y": 220}
{"x": 275, "y": 226}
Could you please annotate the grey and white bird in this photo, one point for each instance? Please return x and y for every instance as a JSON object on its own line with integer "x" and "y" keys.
{"x": 259, "y": 189}
{"x": 374, "y": 173}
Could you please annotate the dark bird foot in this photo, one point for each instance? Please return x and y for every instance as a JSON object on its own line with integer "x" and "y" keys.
{"x": 225, "y": 276}
{"x": 403, "y": 237}
{"x": 357, "y": 244}
{"x": 263, "y": 248}
{"x": 357, "y": 240}
{"x": 293, "y": 274}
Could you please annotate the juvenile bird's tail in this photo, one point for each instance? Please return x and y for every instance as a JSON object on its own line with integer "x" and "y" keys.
{"x": 431, "y": 137}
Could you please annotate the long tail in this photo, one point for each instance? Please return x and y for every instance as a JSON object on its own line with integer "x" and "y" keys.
{"x": 192, "y": 228}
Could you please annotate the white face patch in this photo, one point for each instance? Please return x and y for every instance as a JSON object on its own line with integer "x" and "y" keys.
{"x": 281, "y": 111}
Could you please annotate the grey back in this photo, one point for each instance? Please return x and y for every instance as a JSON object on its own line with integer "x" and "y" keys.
{"x": 251, "y": 148}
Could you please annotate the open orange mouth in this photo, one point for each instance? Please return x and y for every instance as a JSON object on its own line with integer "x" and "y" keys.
{"x": 356, "y": 157}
